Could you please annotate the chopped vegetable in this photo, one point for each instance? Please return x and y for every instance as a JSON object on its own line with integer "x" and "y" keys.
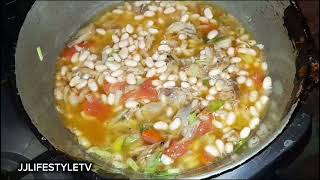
{"x": 39, "y": 53}
{"x": 145, "y": 91}
{"x": 241, "y": 145}
{"x": 194, "y": 70}
{"x": 131, "y": 139}
{"x": 206, "y": 82}
{"x": 216, "y": 39}
{"x": 205, "y": 158}
{"x": 132, "y": 164}
{"x": 192, "y": 118}
{"x": 151, "y": 136}
{"x": 204, "y": 127}
{"x": 215, "y": 105}
{"x": 153, "y": 163}
{"x": 102, "y": 153}
{"x": 117, "y": 144}
{"x": 204, "y": 61}
{"x": 176, "y": 149}
{"x": 97, "y": 109}
{"x": 112, "y": 88}
{"x": 258, "y": 79}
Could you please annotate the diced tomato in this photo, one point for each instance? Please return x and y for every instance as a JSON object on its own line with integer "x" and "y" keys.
{"x": 204, "y": 29}
{"x": 111, "y": 88}
{"x": 151, "y": 136}
{"x": 68, "y": 52}
{"x": 204, "y": 127}
{"x": 258, "y": 79}
{"x": 98, "y": 109}
{"x": 145, "y": 91}
{"x": 205, "y": 158}
{"x": 176, "y": 149}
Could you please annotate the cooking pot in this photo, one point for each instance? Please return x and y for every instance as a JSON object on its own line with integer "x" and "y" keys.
{"x": 50, "y": 24}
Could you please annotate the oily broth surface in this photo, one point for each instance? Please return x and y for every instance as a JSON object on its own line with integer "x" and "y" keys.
{"x": 104, "y": 133}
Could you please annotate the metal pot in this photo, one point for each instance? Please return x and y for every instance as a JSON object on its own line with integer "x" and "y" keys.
{"x": 50, "y": 23}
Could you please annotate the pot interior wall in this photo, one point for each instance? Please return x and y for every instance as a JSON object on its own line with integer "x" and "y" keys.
{"x": 50, "y": 24}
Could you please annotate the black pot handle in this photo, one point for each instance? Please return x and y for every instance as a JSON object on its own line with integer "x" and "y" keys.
{"x": 307, "y": 62}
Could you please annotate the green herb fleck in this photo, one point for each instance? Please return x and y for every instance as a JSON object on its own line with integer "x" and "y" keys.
{"x": 215, "y": 105}
{"x": 206, "y": 82}
{"x": 241, "y": 145}
{"x": 216, "y": 39}
{"x": 192, "y": 118}
{"x": 39, "y": 53}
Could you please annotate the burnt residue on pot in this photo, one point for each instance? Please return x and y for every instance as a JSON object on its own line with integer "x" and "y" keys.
{"x": 307, "y": 62}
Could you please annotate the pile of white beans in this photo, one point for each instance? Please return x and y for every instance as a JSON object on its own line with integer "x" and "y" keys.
{"x": 123, "y": 61}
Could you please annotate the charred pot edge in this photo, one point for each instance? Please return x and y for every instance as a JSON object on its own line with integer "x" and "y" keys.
{"x": 307, "y": 62}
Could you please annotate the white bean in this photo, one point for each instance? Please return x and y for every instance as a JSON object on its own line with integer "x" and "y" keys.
{"x": 264, "y": 66}
{"x": 247, "y": 51}
{"x": 169, "y": 112}
{"x": 169, "y": 10}
{"x": 164, "y": 48}
{"x": 115, "y": 38}
{"x": 214, "y": 72}
{"x": 131, "y": 79}
{"x": 159, "y": 64}
{"x": 141, "y": 44}
{"x": 138, "y": 17}
{"x": 184, "y": 18}
{"x": 132, "y": 48}
{"x": 212, "y": 150}
{"x": 89, "y": 64}
{"x": 163, "y": 77}
{"x": 129, "y": 28}
{"x": 101, "y": 31}
{"x": 175, "y": 124}
{"x": 264, "y": 100}
{"x": 92, "y": 85}
{"x": 212, "y": 34}
{"x": 110, "y": 79}
{"x": 149, "y": 14}
{"x": 254, "y": 122}
{"x": 113, "y": 66}
{"x": 151, "y": 72}
{"x": 156, "y": 82}
{"x": 123, "y": 53}
{"x": 235, "y": 60}
{"x": 130, "y": 63}
{"x": 75, "y": 57}
{"x": 104, "y": 98}
{"x": 84, "y": 55}
{"x": 160, "y": 125}
{"x": 166, "y": 160}
{"x": 245, "y": 132}
{"x": 241, "y": 79}
{"x": 267, "y": 83}
{"x": 213, "y": 91}
{"x": 123, "y": 43}
{"x": 209, "y": 97}
{"x": 116, "y": 57}
{"x": 185, "y": 85}
{"x": 169, "y": 84}
{"x": 162, "y": 69}
{"x": 153, "y": 31}
{"x": 117, "y": 73}
{"x": 217, "y": 124}
{"x": 131, "y": 104}
{"x": 230, "y": 51}
{"x": 253, "y": 111}
{"x": 136, "y": 57}
{"x": 64, "y": 70}
{"x": 231, "y": 118}
{"x": 249, "y": 82}
{"x": 253, "y": 95}
{"x": 204, "y": 103}
{"x": 74, "y": 81}
{"x": 203, "y": 19}
{"x": 173, "y": 77}
{"x": 149, "y": 62}
{"x": 220, "y": 145}
{"x": 183, "y": 76}
{"x": 100, "y": 67}
{"x": 82, "y": 83}
{"x": 207, "y": 13}
{"x": 73, "y": 99}
{"x": 192, "y": 80}
{"x": 228, "y": 148}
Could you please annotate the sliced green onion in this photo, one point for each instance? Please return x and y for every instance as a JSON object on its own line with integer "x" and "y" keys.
{"x": 241, "y": 145}
{"x": 39, "y": 53}
{"x": 132, "y": 164}
{"x": 206, "y": 82}
{"x": 215, "y": 105}
{"x": 192, "y": 118}
{"x": 102, "y": 153}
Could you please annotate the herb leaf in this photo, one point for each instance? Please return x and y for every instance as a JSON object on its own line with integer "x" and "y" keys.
{"x": 215, "y": 105}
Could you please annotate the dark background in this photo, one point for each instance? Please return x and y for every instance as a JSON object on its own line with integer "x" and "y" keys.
{"x": 306, "y": 165}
